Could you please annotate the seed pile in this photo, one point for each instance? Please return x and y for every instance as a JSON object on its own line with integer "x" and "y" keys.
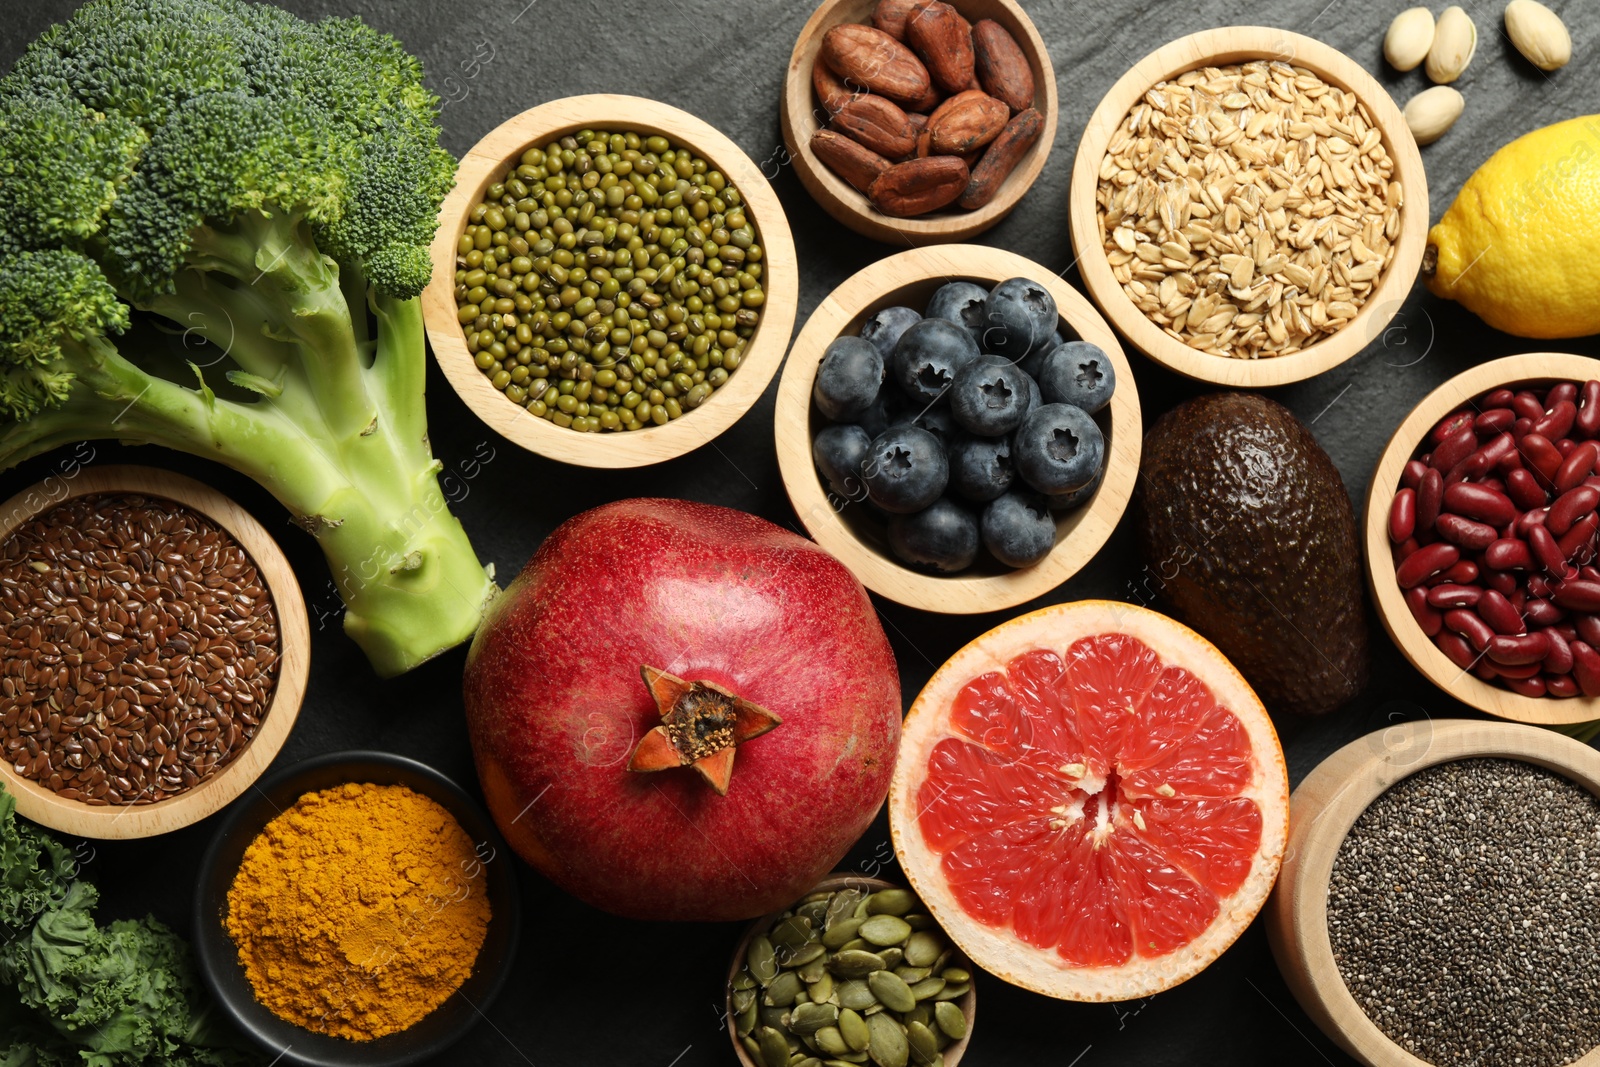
{"x": 1462, "y": 914}
{"x": 141, "y": 649}
{"x": 849, "y": 976}
{"x": 1249, "y": 211}
{"x": 610, "y": 281}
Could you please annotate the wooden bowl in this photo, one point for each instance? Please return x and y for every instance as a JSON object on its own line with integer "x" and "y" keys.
{"x": 488, "y": 161}
{"x": 838, "y": 880}
{"x": 1322, "y": 811}
{"x": 1220, "y": 47}
{"x": 802, "y": 115}
{"x": 857, "y": 539}
{"x": 294, "y": 635}
{"x": 1530, "y": 368}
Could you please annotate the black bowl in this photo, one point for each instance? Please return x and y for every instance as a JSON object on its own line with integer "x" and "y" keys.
{"x": 219, "y": 960}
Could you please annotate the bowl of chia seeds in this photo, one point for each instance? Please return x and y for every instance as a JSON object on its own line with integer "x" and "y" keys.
{"x": 156, "y": 650}
{"x": 1439, "y": 899}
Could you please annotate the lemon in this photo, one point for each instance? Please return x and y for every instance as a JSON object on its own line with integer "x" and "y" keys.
{"x": 1520, "y": 247}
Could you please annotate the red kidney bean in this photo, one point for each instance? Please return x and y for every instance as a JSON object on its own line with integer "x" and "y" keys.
{"x": 1538, "y": 586}
{"x": 1426, "y": 615}
{"x": 1561, "y": 391}
{"x": 1470, "y": 626}
{"x": 1576, "y": 595}
{"x": 1589, "y": 410}
{"x": 1527, "y": 405}
{"x": 1457, "y": 447}
{"x": 1404, "y": 550}
{"x": 1493, "y": 421}
{"x": 1519, "y": 600}
{"x": 1500, "y": 398}
{"x": 1478, "y": 501}
{"x": 1508, "y": 670}
{"x": 1462, "y": 572}
{"x": 1508, "y": 554}
{"x": 1527, "y": 521}
{"x": 1567, "y": 630}
{"x": 1430, "y": 495}
{"x": 1556, "y": 423}
{"x": 1560, "y": 685}
{"x": 1403, "y": 515}
{"x": 1524, "y": 490}
{"x": 1503, "y": 583}
{"x": 1453, "y": 596}
{"x": 1577, "y": 544}
{"x": 1485, "y": 670}
{"x": 1451, "y": 425}
{"x": 1585, "y": 628}
{"x": 1578, "y": 465}
{"x": 1496, "y": 609}
{"x": 1411, "y": 474}
{"x": 1586, "y": 668}
{"x": 1559, "y": 658}
{"x": 1481, "y": 461}
{"x": 1455, "y": 647}
{"x": 1470, "y": 535}
{"x": 1528, "y": 687}
{"x": 1542, "y": 456}
{"x": 1425, "y": 562}
{"x": 1518, "y": 651}
{"x": 1570, "y": 506}
{"x": 1548, "y": 554}
{"x": 1541, "y": 611}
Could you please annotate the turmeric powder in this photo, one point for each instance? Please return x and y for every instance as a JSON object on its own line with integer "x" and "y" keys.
{"x": 359, "y": 910}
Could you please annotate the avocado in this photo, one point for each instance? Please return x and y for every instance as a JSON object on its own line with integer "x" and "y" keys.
{"x": 1248, "y": 536}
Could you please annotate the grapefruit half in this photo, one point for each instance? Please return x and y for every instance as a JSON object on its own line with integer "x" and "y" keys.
{"x": 1091, "y": 801}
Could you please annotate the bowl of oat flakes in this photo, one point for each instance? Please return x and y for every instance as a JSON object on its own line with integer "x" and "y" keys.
{"x": 1248, "y": 207}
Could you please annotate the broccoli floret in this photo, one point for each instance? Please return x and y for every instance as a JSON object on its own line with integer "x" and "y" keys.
{"x": 270, "y": 185}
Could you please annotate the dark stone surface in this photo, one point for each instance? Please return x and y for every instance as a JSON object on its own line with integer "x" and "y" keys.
{"x": 597, "y": 990}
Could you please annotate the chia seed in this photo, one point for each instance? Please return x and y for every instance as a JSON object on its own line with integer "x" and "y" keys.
{"x": 1464, "y": 911}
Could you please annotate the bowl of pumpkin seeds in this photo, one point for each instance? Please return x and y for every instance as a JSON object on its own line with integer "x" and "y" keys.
{"x": 857, "y": 971}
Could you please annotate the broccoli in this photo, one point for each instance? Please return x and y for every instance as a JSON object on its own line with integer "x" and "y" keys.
{"x": 268, "y": 188}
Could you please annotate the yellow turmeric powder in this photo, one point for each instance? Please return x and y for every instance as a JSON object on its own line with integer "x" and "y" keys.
{"x": 359, "y": 910}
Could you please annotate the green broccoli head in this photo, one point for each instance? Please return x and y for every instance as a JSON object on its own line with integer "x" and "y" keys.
{"x": 125, "y": 129}
{"x": 52, "y": 302}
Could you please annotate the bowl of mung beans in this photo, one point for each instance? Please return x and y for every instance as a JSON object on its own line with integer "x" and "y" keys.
{"x": 1437, "y": 899}
{"x": 614, "y": 281}
{"x": 1248, "y": 207}
{"x": 156, "y": 651}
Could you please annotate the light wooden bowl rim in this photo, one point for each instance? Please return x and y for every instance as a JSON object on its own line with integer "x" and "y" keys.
{"x": 1089, "y": 526}
{"x": 487, "y": 161}
{"x": 840, "y": 880}
{"x": 1386, "y": 594}
{"x": 1322, "y": 811}
{"x": 294, "y": 637}
{"x": 799, "y": 107}
{"x": 1218, "y": 47}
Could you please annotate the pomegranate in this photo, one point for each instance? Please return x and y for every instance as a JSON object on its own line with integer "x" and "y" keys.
{"x": 680, "y": 711}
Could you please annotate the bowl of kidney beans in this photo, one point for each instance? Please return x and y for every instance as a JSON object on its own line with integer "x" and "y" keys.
{"x": 1482, "y": 531}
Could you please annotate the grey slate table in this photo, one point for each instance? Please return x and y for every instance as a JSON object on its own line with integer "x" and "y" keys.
{"x": 595, "y": 990}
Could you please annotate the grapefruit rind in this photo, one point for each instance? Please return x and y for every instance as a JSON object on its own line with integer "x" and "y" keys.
{"x": 998, "y": 949}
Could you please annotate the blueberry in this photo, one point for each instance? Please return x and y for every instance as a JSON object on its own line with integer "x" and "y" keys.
{"x": 1035, "y": 398}
{"x": 884, "y": 327}
{"x": 936, "y": 420}
{"x": 905, "y": 469}
{"x": 1018, "y": 529}
{"x": 1033, "y": 362}
{"x": 1076, "y": 498}
{"x": 961, "y": 303}
{"x": 849, "y": 378}
{"x": 927, "y": 357}
{"x": 1058, "y": 447}
{"x": 989, "y": 397}
{"x": 1078, "y": 373}
{"x": 1019, "y": 315}
{"x": 884, "y": 412}
{"x": 942, "y": 537}
{"x": 980, "y": 467}
{"x": 838, "y": 451}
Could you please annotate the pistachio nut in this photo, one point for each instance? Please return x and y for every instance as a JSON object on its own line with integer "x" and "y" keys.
{"x": 1539, "y": 34}
{"x": 1455, "y": 40}
{"x": 1433, "y": 111}
{"x": 1409, "y": 38}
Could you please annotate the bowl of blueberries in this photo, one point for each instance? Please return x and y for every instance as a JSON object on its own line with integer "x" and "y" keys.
{"x": 960, "y": 427}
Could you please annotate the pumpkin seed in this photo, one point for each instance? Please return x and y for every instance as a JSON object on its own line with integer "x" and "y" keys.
{"x": 857, "y": 943}
{"x": 752, "y": 1047}
{"x": 805, "y": 954}
{"x": 922, "y": 1013}
{"x": 887, "y": 1046}
{"x": 823, "y": 895}
{"x": 790, "y": 933}
{"x": 842, "y": 907}
{"x": 885, "y": 930}
{"x": 809, "y": 1018}
{"x": 774, "y": 1017}
{"x": 892, "y": 990}
{"x": 840, "y": 933}
{"x": 892, "y": 956}
{"x": 953, "y": 991}
{"x": 944, "y": 960}
{"x": 921, "y": 922}
{"x": 747, "y": 1019}
{"x": 743, "y": 980}
{"x": 874, "y": 1009}
{"x": 813, "y": 911}
{"x": 829, "y": 1040}
{"x": 822, "y": 988}
{"x": 854, "y": 1057}
{"x": 862, "y": 910}
{"x": 837, "y": 1063}
{"x": 956, "y": 974}
{"x": 773, "y": 1046}
{"x": 928, "y": 987}
{"x": 761, "y": 960}
{"x": 922, "y": 948}
{"x": 811, "y": 969}
{"x": 924, "y": 1046}
{"x": 891, "y": 902}
{"x": 807, "y": 1061}
{"x": 783, "y": 990}
{"x": 855, "y": 963}
{"x": 742, "y": 999}
{"x": 802, "y": 997}
{"x": 854, "y": 1030}
{"x": 855, "y": 994}
{"x": 912, "y": 975}
{"x": 951, "y": 1019}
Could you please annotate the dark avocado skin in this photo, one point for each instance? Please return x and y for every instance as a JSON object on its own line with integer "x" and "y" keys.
{"x": 1248, "y": 536}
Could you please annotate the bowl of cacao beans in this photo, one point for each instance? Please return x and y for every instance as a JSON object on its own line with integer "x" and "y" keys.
{"x": 1481, "y": 534}
{"x": 919, "y": 120}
